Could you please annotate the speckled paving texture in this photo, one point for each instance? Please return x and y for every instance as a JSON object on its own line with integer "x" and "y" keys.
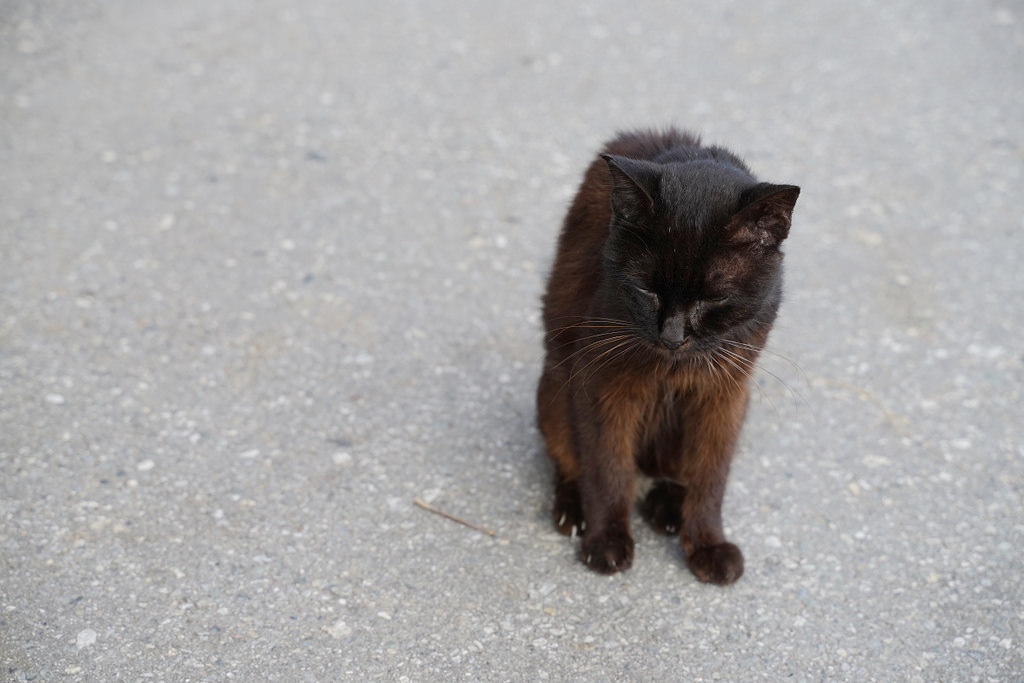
{"x": 269, "y": 271}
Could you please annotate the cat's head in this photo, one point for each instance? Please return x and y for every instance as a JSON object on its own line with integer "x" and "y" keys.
{"x": 693, "y": 252}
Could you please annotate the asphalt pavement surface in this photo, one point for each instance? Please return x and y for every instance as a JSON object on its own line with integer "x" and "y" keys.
{"x": 270, "y": 273}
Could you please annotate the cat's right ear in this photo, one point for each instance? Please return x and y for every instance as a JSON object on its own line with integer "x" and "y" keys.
{"x": 633, "y": 186}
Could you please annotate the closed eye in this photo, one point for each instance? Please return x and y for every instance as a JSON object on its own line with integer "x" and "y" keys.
{"x": 648, "y": 295}
{"x": 713, "y": 307}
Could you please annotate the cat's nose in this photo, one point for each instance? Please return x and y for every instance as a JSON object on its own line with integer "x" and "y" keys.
{"x": 673, "y": 332}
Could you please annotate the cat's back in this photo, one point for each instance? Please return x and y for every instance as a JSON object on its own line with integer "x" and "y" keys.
{"x": 671, "y": 146}
{"x": 653, "y": 145}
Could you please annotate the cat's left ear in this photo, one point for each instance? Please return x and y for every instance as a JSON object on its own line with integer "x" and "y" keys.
{"x": 765, "y": 214}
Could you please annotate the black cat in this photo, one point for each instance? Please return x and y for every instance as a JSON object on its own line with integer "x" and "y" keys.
{"x": 667, "y": 281}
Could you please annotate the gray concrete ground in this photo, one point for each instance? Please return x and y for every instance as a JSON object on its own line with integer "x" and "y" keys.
{"x": 270, "y": 270}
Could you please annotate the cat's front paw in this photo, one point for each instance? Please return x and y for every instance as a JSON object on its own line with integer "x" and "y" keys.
{"x": 607, "y": 552}
{"x": 568, "y": 509}
{"x": 720, "y": 564}
{"x": 663, "y": 507}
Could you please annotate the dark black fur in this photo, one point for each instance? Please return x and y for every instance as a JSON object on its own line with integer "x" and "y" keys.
{"x": 666, "y": 284}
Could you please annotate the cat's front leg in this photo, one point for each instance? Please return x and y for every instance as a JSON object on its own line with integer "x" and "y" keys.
{"x": 607, "y": 545}
{"x": 606, "y": 485}
{"x": 554, "y": 416}
{"x": 713, "y": 428}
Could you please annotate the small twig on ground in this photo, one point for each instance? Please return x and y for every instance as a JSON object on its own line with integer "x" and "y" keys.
{"x": 430, "y": 508}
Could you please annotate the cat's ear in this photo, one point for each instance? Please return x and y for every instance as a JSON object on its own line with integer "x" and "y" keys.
{"x": 633, "y": 186}
{"x": 765, "y": 214}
